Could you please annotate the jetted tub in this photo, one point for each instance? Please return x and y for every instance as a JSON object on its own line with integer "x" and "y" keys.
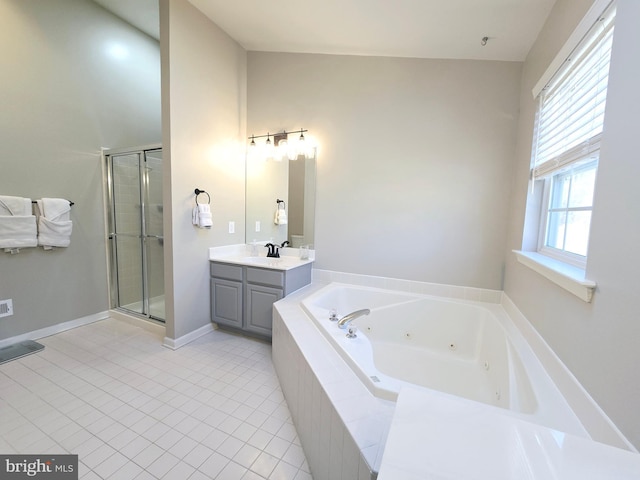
{"x": 464, "y": 348}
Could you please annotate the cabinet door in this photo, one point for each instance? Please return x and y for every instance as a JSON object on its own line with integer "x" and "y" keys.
{"x": 226, "y": 302}
{"x": 260, "y": 301}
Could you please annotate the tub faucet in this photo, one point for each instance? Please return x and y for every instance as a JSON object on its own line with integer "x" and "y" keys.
{"x": 347, "y": 319}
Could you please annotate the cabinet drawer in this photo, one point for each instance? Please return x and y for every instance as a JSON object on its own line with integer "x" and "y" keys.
{"x": 265, "y": 277}
{"x": 224, "y": 270}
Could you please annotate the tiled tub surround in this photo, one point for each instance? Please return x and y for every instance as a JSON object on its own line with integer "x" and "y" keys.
{"x": 341, "y": 425}
{"x": 340, "y": 420}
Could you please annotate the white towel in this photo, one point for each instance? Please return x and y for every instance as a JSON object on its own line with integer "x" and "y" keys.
{"x": 17, "y": 224}
{"x": 55, "y": 209}
{"x": 15, "y": 206}
{"x": 195, "y": 218}
{"x": 281, "y": 216}
{"x": 54, "y": 224}
{"x": 201, "y": 216}
{"x": 54, "y": 234}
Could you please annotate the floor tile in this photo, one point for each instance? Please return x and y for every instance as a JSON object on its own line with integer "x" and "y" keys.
{"x": 264, "y": 464}
{"x": 214, "y": 465}
{"x": 232, "y": 471}
{"x": 246, "y": 455}
{"x": 134, "y": 410}
{"x": 283, "y": 471}
{"x": 198, "y": 455}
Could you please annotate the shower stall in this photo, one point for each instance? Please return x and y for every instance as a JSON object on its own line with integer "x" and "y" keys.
{"x": 134, "y": 191}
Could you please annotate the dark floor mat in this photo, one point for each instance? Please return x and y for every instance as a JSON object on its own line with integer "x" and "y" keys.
{"x": 19, "y": 350}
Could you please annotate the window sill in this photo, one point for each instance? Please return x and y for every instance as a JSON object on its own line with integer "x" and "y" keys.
{"x": 566, "y": 276}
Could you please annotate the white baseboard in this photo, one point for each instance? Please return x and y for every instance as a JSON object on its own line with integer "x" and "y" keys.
{"x": 53, "y": 329}
{"x": 175, "y": 344}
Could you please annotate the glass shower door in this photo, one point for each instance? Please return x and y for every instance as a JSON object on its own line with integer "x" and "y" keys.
{"x": 154, "y": 240}
{"x": 137, "y": 259}
{"x": 127, "y": 231}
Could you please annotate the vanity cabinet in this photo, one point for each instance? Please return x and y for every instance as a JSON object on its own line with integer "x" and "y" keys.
{"x": 227, "y": 309}
{"x": 242, "y": 296}
{"x": 260, "y": 300}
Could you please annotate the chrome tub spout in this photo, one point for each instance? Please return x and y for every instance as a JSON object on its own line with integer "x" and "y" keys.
{"x": 347, "y": 319}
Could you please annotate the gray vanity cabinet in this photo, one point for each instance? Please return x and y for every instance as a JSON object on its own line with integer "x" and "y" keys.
{"x": 226, "y": 289}
{"x": 260, "y": 300}
{"x": 242, "y": 297}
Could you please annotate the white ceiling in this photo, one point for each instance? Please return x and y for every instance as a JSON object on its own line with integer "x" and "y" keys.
{"x": 400, "y": 28}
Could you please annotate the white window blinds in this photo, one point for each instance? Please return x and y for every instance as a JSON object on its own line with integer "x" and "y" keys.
{"x": 570, "y": 115}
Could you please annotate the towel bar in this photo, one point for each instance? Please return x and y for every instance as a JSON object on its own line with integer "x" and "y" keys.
{"x": 71, "y": 204}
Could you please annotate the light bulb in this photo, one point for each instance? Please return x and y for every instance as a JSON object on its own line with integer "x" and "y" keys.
{"x": 281, "y": 150}
{"x": 310, "y": 152}
{"x": 269, "y": 149}
{"x": 301, "y": 148}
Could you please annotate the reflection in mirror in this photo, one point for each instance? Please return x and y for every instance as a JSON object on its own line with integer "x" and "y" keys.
{"x": 294, "y": 182}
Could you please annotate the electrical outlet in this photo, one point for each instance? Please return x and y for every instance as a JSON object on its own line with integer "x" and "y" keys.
{"x": 6, "y": 308}
{"x": 232, "y": 227}
{"x": 257, "y": 225}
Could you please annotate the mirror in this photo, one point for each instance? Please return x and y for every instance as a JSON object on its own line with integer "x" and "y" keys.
{"x": 292, "y": 181}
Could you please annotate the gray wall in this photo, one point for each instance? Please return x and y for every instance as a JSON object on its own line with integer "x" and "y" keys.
{"x": 204, "y": 104}
{"x": 414, "y": 158}
{"x": 64, "y": 96}
{"x": 597, "y": 341}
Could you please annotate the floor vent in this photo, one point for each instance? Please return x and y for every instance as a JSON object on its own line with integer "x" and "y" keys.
{"x": 6, "y": 308}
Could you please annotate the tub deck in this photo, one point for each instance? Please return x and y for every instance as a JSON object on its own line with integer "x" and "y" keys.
{"x": 493, "y": 446}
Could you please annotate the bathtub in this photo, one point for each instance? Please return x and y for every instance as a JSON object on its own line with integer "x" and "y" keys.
{"x": 462, "y": 348}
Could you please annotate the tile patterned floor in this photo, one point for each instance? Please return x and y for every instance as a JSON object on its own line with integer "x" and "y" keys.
{"x": 133, "y": 409}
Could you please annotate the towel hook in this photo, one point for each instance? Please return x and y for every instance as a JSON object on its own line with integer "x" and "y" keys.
{"x": 197, "y": 191}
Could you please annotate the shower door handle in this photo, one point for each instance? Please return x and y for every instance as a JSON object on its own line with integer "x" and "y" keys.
{"x": 129, "y": 235}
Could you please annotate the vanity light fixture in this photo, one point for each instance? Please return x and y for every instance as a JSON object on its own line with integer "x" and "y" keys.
{"x": 282, "y": 147}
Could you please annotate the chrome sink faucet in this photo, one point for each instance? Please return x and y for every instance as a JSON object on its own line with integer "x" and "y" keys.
{"x": 347, "y": 319}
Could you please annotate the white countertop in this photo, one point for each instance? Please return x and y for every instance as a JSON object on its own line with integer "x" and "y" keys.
{"x": 241, "y": 255}
{"x": 438, "y": 436}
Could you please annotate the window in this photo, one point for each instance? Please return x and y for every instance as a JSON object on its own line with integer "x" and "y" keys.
{"x": 566, "y": 147}
{"x": 569, "y": 196}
